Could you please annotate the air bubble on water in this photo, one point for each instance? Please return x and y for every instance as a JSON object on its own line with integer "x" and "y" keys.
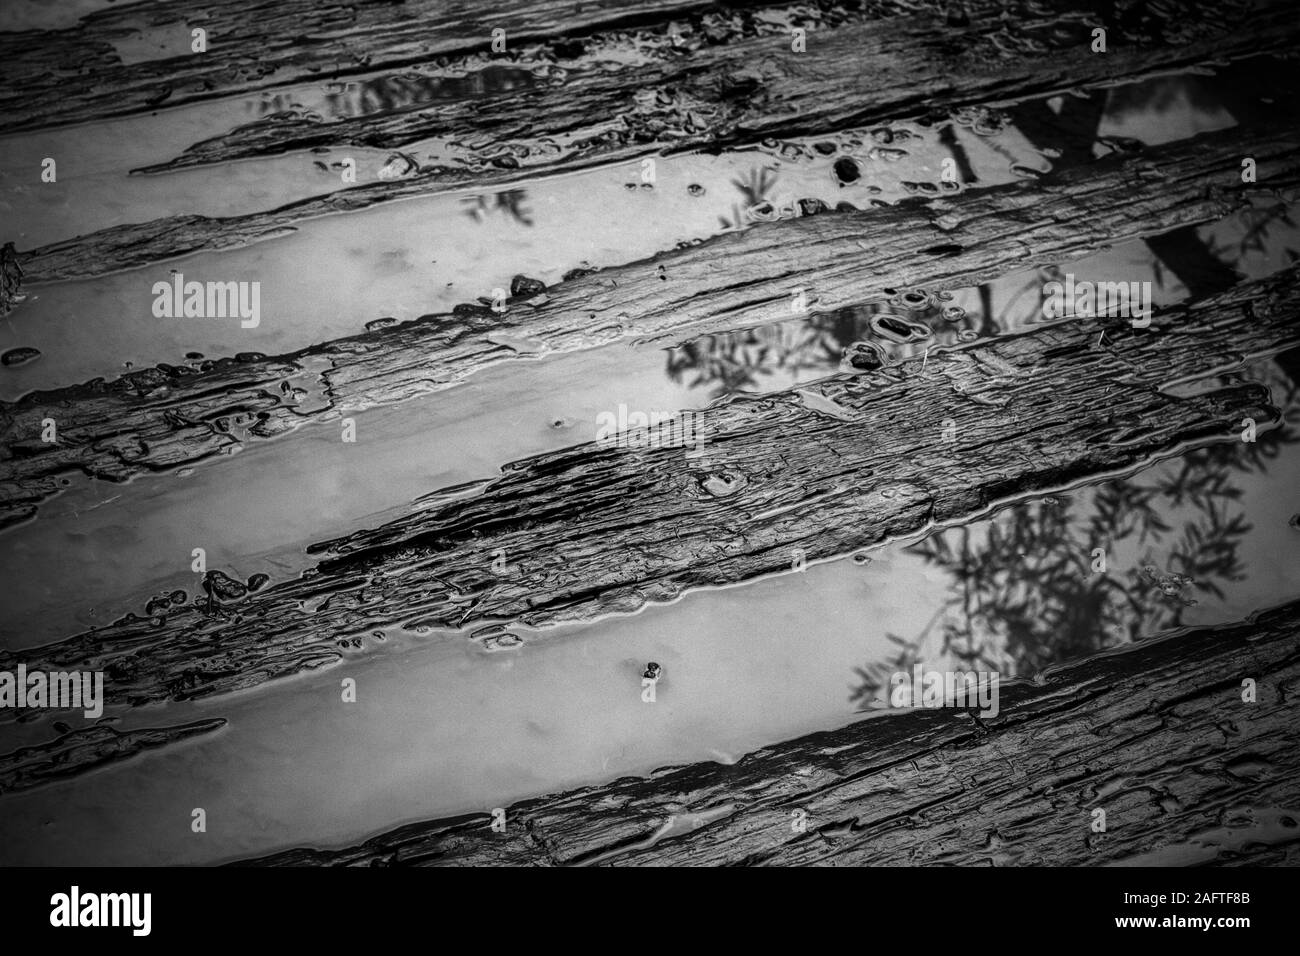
{"x": 967, "y": 335}
{"x": 862, "y": 558}
{"x": 722, "y": 484}
{"x": 864, "y": 356}
{"x": 916, "y": 300}
{"x": 888, "y": 154}
{"x": 695, "y": 189}
{"x": 953, "y": 313}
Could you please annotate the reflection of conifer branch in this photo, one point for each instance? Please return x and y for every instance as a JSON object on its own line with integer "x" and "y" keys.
{"x": 1022, "y": 590}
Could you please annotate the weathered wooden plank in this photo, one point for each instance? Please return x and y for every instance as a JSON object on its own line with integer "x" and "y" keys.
{"x": 1156, "y": 734}
{"x": 77, "y": 74}
{"x": 844, "y": 463}
{"x": 696, "y": 93}
{"x": 89, "y": 748}
{"x": 855, "y": 74}
{"x": 161, "y": 418}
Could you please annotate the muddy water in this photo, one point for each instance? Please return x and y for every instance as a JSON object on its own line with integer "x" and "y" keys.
{"x": 442, "y": 726}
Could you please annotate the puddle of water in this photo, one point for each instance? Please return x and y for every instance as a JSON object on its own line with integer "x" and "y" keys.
{"x": 95, "y": 188}
{"x": 407, "y": 259}
{"x": 425, "y": 255}
{"x": 258, "y": 510}
{"x": 263, "y": 507}
{"x": 442, "y": 725}
{"x": 1208, "y": 537}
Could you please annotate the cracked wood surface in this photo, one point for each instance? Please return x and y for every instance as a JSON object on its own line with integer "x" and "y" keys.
{"x": 1156, "y": 734}
{"x": 76, "y": 74}
{"x": 163, "y": 418}
{"x": 848, "y": 462}
{"x": 696, "y": 94}
{"x": 712, "y": 96}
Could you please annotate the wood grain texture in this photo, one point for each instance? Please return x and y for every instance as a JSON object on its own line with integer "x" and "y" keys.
{"x": 162, "y": 418}
{"x": 77, "y": 74}
{"x": 707, "y": 96}
{"x": 845, "y": 463}
{"x": 1155, "y": 734}
{"x": 699, "y": 92}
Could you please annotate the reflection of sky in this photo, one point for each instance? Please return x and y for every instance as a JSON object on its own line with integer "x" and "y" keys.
{"x": 439, "y": 727}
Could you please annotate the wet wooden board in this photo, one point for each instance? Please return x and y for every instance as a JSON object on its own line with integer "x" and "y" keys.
{"x": 1156, "y": 735}
{"x": 728, "y": 94}
{"x": 89, "y": 748}
{"x": 166, "y": 417}
{"x": 849, "y": 462}
{"x": 75, "y": 74}
{"x": 705, "y": 95}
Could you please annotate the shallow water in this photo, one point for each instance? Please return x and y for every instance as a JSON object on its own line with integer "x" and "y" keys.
{"x": 419, "y": 256}
{"x": 424, "y": 255}
{"x": 443, "y": 726}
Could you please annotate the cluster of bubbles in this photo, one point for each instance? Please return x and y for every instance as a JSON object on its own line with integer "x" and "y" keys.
{"x": 880, "y": 143}
{"x": 981, "y": 120}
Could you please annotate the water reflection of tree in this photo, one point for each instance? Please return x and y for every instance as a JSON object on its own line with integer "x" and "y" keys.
{"x": 396, "y": 93}
{"x": 509, "y": 201}
{"x": 755, "y": 191}
{"x": 1024, "y": 592}
{"x": 733, "y": 362}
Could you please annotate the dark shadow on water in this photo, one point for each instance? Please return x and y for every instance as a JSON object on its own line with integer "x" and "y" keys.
{"x": 509, "y": 201}
{"x": 398, "y": 93}
{"x": 1026, "y": 590}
